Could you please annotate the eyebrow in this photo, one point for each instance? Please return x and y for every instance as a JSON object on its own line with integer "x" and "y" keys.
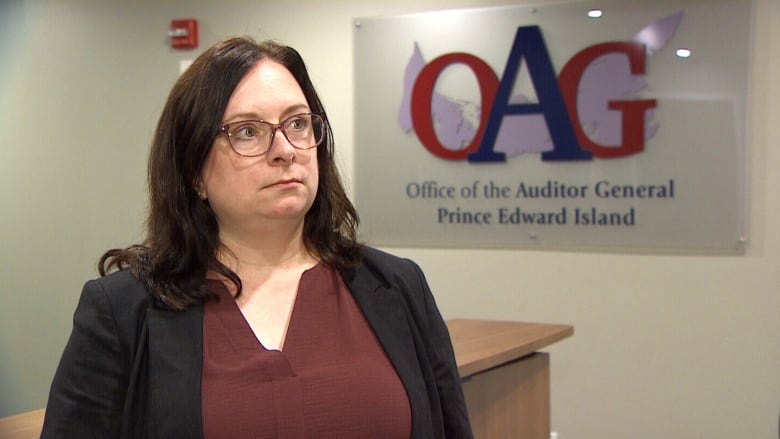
{"x": 292, "y": 110}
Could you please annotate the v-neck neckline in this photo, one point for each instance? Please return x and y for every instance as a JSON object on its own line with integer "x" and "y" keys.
{"x": 247, "y": 335}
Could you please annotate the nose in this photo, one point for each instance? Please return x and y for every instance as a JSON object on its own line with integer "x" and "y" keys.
{"x": 281, "y": 150}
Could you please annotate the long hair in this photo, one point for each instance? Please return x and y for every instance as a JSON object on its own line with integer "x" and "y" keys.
{"x": 182, "y": 238}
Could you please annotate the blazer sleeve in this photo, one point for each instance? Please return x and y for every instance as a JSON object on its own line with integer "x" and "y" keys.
{"x": 88, "y": 390}
{"x": 442, "y": 359}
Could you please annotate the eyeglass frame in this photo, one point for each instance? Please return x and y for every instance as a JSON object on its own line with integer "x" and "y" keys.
{"x": 225, "y": 130}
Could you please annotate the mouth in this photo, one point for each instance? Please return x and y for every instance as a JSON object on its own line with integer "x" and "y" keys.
{"x": 284, "y": 183}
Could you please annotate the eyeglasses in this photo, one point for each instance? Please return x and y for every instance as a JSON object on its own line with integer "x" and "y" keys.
{"x": 251, "y": 138}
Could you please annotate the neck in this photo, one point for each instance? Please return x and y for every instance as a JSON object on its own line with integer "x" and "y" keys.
{"x": 262, "y": 252}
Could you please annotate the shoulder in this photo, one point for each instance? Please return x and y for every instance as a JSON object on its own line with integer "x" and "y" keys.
{"x": 111, "y": 313}
{"x": 120, "y": 287}
{"x": 374, "y": 256}
{"x": 119, "y": 294}
{"x": 388, "y": 267}
{"x": 392, "y": 273}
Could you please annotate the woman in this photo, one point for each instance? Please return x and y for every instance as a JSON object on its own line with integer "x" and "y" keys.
{"x": 250, "y": 310}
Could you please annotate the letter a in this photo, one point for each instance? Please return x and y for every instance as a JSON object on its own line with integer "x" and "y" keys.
{"x": 529, "y": 44}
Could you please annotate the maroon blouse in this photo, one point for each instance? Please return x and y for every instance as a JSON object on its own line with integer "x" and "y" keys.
{"x": 332, "y": 378}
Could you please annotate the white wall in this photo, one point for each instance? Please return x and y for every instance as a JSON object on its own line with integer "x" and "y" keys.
{"x": 664, "y": 346}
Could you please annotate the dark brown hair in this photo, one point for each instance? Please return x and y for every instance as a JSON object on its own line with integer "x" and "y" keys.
{"x": 182, "y": 235}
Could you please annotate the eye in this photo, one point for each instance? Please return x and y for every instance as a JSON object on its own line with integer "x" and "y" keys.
{"x": 245, "y": 132}
{"x": 299, "y": 123}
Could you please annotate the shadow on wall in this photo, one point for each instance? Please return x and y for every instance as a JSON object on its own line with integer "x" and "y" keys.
{"x": 11, "y": 15}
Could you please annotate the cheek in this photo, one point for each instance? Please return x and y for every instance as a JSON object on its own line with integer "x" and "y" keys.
{"x": 207, "y": 172}
{"x": 222, "y": 169}
{"x": 315, "y": 174}
{"x": 213, "y": 174}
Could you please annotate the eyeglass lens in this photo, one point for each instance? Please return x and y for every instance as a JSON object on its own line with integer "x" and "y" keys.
{"x": 254, "y": 137}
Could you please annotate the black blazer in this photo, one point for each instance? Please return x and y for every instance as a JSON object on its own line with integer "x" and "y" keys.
{"x": 132, "y": 369}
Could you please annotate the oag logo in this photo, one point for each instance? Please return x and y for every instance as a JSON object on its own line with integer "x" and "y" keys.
{"x": 590, "y": 109}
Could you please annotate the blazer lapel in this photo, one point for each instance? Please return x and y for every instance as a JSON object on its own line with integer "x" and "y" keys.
{"x": 385, "y": 310}
{"x": 175, "y": 365}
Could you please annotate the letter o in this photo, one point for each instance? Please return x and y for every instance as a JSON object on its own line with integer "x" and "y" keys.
{"x": 415, "y": 187}
{"x": 422, "y": 97}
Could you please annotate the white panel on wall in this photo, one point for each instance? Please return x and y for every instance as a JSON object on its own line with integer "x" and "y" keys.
{"x": 542, "y": 127}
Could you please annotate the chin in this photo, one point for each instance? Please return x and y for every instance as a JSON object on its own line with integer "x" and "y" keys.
{"x": 290, "y": 212}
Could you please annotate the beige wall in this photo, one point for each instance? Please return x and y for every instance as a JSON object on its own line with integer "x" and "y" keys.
{"x": 664, "y": 346}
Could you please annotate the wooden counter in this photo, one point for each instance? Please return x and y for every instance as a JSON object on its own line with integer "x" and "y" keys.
{"x": 23, "y": 426}
{"x": 506, "y": 382}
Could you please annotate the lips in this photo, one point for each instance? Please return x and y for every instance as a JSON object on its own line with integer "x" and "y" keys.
{"x": 285, "y": 182}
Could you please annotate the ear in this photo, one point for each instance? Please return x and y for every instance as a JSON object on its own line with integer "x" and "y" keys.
{"x": 200, "y": 188}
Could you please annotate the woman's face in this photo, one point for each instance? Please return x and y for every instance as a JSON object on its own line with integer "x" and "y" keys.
{"x": 248, "y": 194}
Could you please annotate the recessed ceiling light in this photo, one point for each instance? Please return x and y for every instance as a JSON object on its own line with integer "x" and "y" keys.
{"x": 594, "y": 13}
{"x": 683, "y": 53}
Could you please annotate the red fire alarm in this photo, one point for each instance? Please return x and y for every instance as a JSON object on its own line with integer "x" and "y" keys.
{"x": 184, "y": 34}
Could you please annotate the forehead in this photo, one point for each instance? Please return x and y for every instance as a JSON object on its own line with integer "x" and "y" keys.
{"x": 268, "y": 90}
